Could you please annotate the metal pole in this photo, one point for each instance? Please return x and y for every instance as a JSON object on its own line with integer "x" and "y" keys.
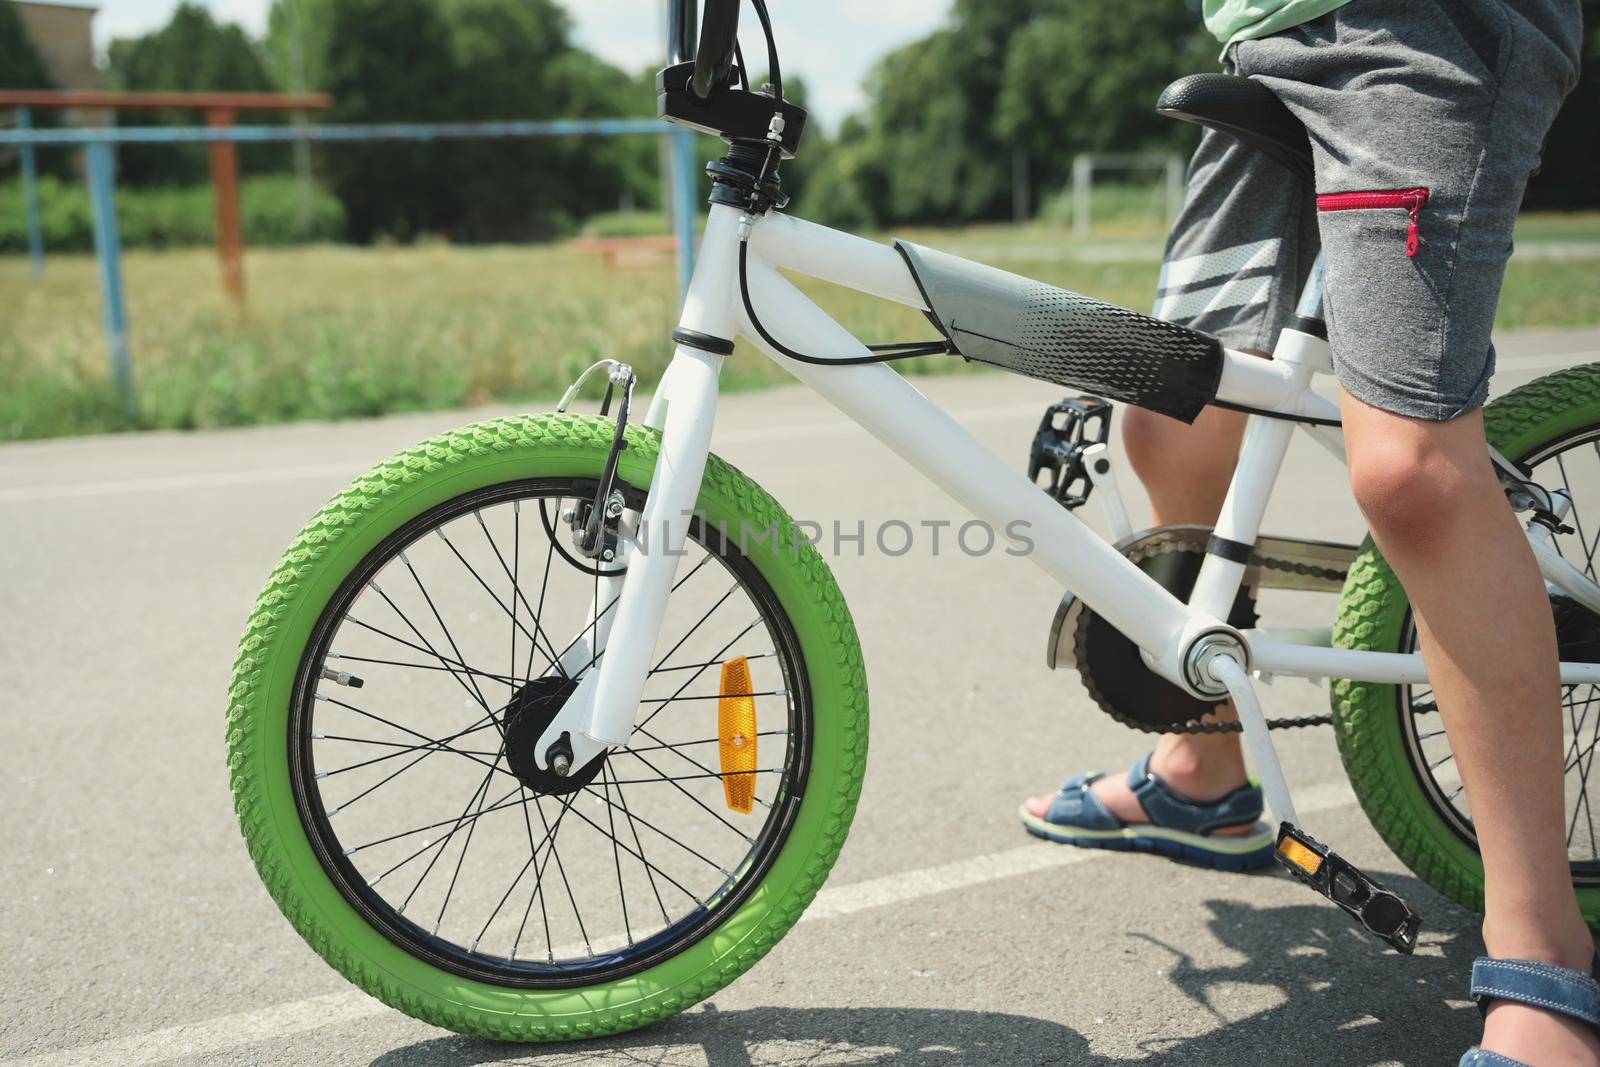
{"x": 682, "y": 25}
{"x": 1019, "y": 184}
{"x": 685, "y": 205}
{"x": 225, "y": 188}
{"x": 108, "y": 250}
{"x": 1174, "y": 188}
{"x": 30, "y": 196}
{"x": 1082, "y": 180}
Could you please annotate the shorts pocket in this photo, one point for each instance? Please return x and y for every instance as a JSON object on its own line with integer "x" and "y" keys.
{"x": 1411, "y": 201}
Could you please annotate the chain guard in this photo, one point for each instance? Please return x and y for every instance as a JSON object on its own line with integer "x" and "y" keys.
{"x": 1112, "y": 669}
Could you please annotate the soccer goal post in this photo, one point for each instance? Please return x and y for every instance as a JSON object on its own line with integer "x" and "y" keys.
{"x": 1084, "y": 166}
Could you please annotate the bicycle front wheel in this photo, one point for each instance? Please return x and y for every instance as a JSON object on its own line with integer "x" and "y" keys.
{"x": 403, "y": 661}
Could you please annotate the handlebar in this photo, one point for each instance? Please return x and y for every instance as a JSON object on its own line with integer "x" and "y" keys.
{"x": 719, "y": 33}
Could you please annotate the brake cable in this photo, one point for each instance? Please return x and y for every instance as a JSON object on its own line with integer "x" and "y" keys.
{"x": 882, "y": 353}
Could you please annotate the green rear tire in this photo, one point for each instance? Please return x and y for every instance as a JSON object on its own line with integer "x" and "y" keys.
{"x": 1374, "y": 615}
{"x": 335, "y": 542}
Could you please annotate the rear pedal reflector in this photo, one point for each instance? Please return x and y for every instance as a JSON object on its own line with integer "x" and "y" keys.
{"x": 736, "y": 736}
{"x": 1379, "y": 910}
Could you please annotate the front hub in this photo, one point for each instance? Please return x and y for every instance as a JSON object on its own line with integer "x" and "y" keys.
{"x": 531, "y": 711}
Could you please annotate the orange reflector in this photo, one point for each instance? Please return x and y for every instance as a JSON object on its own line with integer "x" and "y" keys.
{"x": 736, "y": 735}
{"x": 1299, "y": 855}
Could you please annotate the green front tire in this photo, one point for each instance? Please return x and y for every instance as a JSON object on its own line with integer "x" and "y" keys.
{"x": 1374, "y": 615}
{"x": 335, "y": 542}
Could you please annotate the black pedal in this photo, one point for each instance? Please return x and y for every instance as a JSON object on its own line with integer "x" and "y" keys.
{"x": 1374, "y": 907}
{"x": 1068, "y": 428}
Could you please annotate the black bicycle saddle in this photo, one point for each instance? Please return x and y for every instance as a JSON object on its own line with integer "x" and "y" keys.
{"x": 1243, "y": 109}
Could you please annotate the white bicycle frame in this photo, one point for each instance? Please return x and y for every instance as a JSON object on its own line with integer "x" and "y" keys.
{"x": 1190, "y": 644}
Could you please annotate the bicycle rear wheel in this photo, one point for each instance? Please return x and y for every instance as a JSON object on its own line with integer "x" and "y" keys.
{"x": 1392, "y": 738}
{"x": 405, "y": 658}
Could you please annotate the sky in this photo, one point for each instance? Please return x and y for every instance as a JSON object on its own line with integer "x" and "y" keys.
{"x": 830, "y": 43}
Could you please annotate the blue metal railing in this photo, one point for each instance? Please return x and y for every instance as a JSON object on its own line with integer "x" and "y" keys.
{"x": 100, "y": 144}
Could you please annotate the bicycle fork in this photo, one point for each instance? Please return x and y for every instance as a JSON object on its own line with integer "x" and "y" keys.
{"x": 628, "y": 609}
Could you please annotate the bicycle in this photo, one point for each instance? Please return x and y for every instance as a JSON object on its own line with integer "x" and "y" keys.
{"x": 722, "y": 811}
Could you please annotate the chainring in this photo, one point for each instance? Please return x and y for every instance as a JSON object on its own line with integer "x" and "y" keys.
{"x": 1111, "y": 666}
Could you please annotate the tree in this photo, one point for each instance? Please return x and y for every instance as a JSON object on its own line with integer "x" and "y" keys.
{"x": 191, "y": 53}
{"x": 1570, "y": 177}
{"x": 20, "y": 64}
{"x": 1008, "y": 82}
{"x": 1085, "y": 77}
{"x": 389, "y": 61}
{"x": 464, "y": 60}
{"x": 21, "y": 67}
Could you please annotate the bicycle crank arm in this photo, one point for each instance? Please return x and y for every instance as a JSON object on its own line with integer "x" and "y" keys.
{"x": 1376, "y": 908}
{"x": 1379, "y": 910}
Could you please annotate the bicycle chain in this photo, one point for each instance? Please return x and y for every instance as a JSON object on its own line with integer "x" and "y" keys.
{"x": 1149, "y": 547}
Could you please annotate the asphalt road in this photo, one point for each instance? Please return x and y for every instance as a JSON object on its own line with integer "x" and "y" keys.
{"x": 133, "y": 928}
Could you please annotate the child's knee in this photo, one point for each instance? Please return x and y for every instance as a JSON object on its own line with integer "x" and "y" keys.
{"x": 1165, "y": 452}
{"x": 1408, "y": 488}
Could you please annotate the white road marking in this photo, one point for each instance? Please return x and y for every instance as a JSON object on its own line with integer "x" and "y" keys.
{"x": 216, "y": 1035}
{"x": 168, "y": 483}
{"x": 1546, "y": 361}
{"x": 227, "y": 1032}
{"x": 230, "y": 479}
{"x": 837, "y": 901}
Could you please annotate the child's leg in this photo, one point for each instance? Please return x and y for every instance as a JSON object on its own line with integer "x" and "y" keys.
{"x": 1438, "y": 513}
{"x": 1186, "y": 470}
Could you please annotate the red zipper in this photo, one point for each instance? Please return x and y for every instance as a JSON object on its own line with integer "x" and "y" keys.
{"x": 1412, "y": 200}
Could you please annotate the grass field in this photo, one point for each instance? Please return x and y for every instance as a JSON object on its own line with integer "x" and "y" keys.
{"x": 337, "y": 332}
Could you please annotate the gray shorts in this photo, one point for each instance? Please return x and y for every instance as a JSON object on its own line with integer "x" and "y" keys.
{"x": 1453, "y": 97}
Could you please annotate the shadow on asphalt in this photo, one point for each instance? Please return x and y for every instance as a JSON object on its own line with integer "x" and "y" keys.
{"x": 1342, "y": 999}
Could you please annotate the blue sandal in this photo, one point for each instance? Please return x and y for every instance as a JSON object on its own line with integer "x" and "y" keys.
{"x": 1178, "y": 828}
{"x": 1543, "y": 985}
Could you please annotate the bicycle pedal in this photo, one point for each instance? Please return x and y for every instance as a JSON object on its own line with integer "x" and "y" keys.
{"x": 1380, "y": 910}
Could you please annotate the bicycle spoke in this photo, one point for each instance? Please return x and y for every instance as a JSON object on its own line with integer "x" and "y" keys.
{"x": 1583, "y": 786}
{"x": 437, "y": 617}
{"x": 538, "y": 877}
{"x": 444, "y": 843}
{"x": 706, "y": 741}
{"x": 692, "y": 678}
{"x": 516, "y": 567}
{"x": 566, "y": 806}
{"x": 709, "y": 810}
{"x": 733, "y": 774}
{"x": 692, "y": 666}
{"x": 633, "y": 826}
{"x": 500, "y": 804}
{"x": 691, "y": 632}
{"x": 470, "y": 684}
{"x": 648, "y": 825}
{"x": 454, "y": 551}
{"x": 461, "y": 858}
{"x": 516, "y": 596}
{"x": 413, "y": 733}
{"x": 448, "y": 664}
{"x": 504, "y": 679}
{"x": 538, "y": 890}
{"x": 686, "y": 758}
{"x": 401, "y": 751}
{"x": 1583, "y": 541}
{"x": 544, "y": 588}
{"x": 616, "y": 855}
